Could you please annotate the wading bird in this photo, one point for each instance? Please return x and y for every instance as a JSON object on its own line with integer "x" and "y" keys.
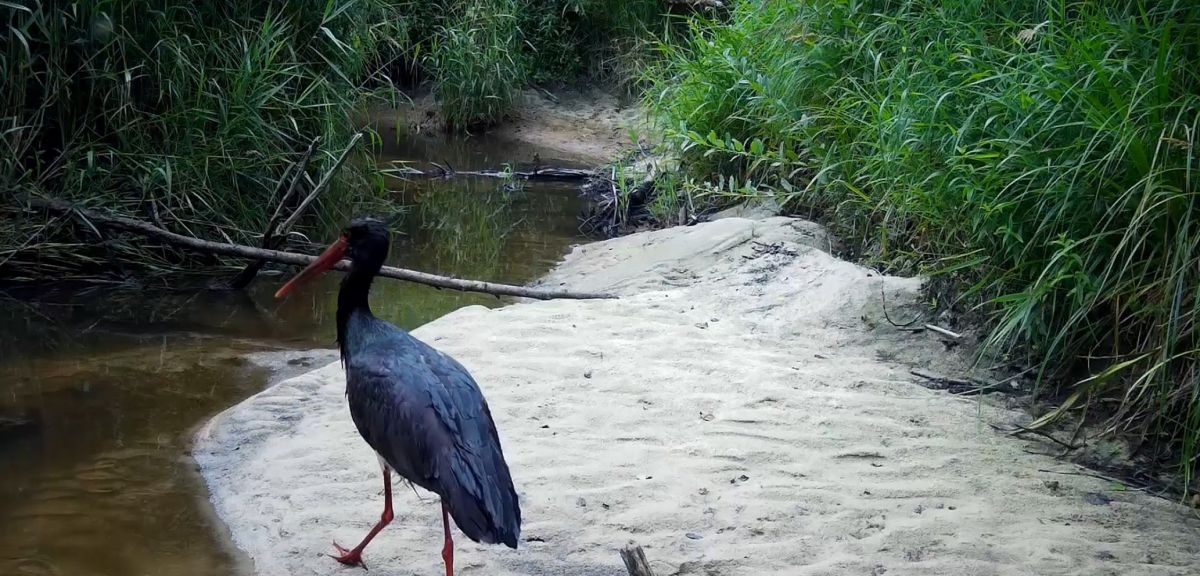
{"x": 416, "y": 407}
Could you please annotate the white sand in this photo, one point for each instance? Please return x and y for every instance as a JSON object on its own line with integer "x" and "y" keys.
{"x": 734, "y": 416}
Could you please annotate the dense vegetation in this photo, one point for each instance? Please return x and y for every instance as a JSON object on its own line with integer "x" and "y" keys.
{"x": 182, "y": 112}
{"x": 1037, "y": 155}
{"x": 189, "y": 113}
{"x": 478, "y": 55}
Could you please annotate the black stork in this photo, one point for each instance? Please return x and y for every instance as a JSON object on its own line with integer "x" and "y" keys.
{"x": 418, "y": 408}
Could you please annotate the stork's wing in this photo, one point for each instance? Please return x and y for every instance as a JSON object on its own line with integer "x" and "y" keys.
{"x": 424, "y": 414}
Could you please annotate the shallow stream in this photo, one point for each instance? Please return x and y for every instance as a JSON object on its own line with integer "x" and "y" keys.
{"x": 100, "y": 389}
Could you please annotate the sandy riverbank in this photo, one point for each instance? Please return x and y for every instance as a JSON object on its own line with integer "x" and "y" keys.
{"x": 590, "y": 128}
{"x": 736, "y": 412}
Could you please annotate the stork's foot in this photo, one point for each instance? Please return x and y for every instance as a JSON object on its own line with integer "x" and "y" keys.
{"x": 348, "y": 557}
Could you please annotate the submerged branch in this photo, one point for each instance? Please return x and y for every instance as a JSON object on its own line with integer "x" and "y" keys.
{"x": 237, "y": 250}
{"x": 544, "y": 174}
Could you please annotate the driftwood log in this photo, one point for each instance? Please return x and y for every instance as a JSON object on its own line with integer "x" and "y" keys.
{"x": 543, "y": 174}
{"x": 93, "y": 218}
{"x": 635, "y": 561}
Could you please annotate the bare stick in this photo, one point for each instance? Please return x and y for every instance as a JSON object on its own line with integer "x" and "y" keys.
{"x": 300, "y": 167}
{"x": 943, "y": 332}
{"x": 563, "y": 174}
{"x": 240, "y": 251}
{"x": 635, "y": 561}
{"x": 883, "y": 299}
{"x": 287, "y": 224}
{"x": 294, "y": 174}
{"x": 1018, "y": 430}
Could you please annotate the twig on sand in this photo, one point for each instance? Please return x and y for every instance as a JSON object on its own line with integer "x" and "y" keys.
{"x": 951, "y": 385}
{"x": 240, "y": 251}
{"x": 1018, "y": 430}
{"x": 1123, "y": 483}
{"x": 635, "y": 561}
{"x": 883, "y": 299}
{"x": 943, "y": 332}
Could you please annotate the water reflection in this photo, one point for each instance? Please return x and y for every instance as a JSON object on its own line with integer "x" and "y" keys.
{"x": 100, "y": 388}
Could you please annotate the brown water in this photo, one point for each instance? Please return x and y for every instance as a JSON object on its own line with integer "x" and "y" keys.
{"x": 101, "y": 389}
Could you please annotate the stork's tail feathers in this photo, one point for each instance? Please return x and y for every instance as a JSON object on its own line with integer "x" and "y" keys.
{"x": 482, "y": 499}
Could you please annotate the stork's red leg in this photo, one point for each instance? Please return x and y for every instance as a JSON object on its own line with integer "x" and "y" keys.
{"x": 448, "y": 546}
{"x": 354, "y": 557}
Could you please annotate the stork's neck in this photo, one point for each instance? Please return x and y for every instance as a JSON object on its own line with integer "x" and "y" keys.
{"x": 353, "y": 298}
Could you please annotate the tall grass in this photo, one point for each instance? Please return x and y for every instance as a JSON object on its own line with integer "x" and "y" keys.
{"x": 478, "y": 55}
{"x": 478, "y": 65}
{"x": 603, "y": 41}
{"x": 189, "y": 113}
{"x": 1037, "y": 155}
{"x": 182, "y": 112}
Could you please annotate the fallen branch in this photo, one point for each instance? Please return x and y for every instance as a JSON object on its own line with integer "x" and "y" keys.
{"x": 240, "y": 251}
{"x": 635, "y": 561}
{"x": 545, "y": 174}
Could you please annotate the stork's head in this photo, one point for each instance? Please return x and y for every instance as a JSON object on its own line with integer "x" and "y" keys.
{"x": 365, "y": 242}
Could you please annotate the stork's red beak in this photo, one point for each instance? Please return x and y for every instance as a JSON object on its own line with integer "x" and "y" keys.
{"x": 331, "y": 256}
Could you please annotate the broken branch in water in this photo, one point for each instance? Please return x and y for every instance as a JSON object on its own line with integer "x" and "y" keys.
{"x": 293, "y": 175}
{"x": 547, "y": 174}
{"x": 240, "y": 251}
{"x": 287, "y": 224}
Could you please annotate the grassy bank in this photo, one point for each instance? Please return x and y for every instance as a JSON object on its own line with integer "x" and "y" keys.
{"x": 183, "y": 113}
{"x": 189, "y": 114}
{"x": 1037, "y": 157}
{"x": 478, "y": 55}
